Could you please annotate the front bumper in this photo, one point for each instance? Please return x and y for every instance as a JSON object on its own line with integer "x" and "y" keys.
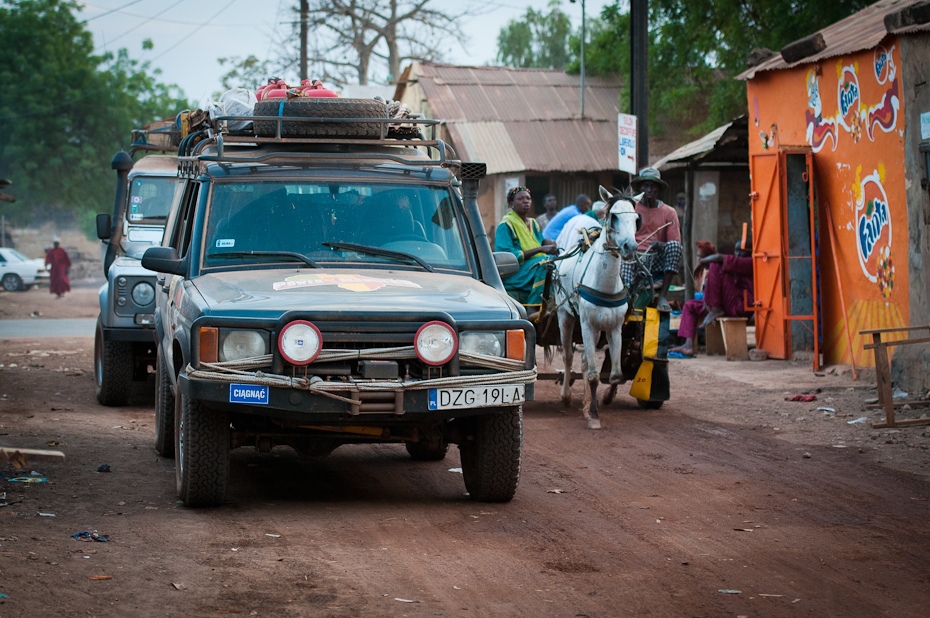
{"x": 342, "y": 402}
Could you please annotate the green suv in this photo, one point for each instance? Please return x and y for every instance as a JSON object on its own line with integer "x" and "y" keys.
{"x": 329, "y": 282}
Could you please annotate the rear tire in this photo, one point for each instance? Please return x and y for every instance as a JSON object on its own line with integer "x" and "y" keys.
{"x": 201, "y": 453}
{"x": 164, "y": 411}
{"x": 491, "y": 455}
{"x": 12, "y": 282}
{"x": 113, "y": 368}
{"x": 310, "y": 107}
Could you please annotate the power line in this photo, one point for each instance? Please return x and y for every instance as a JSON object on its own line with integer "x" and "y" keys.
{"x": 195, "y": 30}
{"x": 104, "y": 46}
{"x": 116, "y": 10}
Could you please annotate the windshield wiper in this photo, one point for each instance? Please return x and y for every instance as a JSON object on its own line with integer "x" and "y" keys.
{"x": 400, "y": 256}
{"x": 291, "y": 254}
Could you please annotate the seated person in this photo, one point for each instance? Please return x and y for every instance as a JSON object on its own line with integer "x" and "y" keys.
{"x": 728, "y": 276}
{"x": 519, "y": 234}
{"x": 659, "y": 235}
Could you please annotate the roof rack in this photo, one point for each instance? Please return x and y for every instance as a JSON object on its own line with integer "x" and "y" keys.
{"x": 404, "y": 132}
{"x": 161, "y": 136}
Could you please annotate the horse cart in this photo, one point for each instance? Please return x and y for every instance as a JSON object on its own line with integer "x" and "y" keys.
{"x": 585, "y": 294}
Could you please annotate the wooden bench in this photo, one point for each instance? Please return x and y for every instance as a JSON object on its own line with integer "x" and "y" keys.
{"x": 727, "y": 336}
{"x": 883, "y": 373}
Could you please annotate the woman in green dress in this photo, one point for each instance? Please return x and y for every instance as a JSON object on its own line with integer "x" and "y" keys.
{"x": 519, "y": 234}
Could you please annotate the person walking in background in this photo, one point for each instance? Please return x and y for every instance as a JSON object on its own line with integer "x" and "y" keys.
{"x": 59, "y": 266}
{"x": 728, "y": 277}
{"x": 519, "y": 234}
{"x": 552, "y": 207}
{"x": 554, "y": 227}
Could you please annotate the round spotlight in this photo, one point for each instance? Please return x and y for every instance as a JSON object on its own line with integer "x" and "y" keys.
{"x": 435, "y": 343}
{"x": 300, "y": 342}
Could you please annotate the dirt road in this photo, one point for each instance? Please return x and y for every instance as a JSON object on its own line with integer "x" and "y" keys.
{"x": 729, "y": 501}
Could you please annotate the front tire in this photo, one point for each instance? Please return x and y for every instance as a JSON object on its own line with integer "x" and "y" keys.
{"x": 113, "y": 367}
{"x": 12, "y": 282}
{"x": 164, "y": 412}
{"x": 491, "y": 455}
{"x": 201, "y": 453}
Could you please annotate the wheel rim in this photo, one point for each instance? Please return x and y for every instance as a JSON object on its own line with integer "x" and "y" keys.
{"x": 9, "y": 283}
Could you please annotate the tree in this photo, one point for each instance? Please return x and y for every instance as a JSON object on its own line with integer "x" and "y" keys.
{"x": 698, "y": 47}
{"x": 348, "y": 37}
{"x": 68, "y": 111}
{"x": 538, "y": 40}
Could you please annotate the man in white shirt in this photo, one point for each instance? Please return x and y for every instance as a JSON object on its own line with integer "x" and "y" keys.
{"x": 571, "y": 233}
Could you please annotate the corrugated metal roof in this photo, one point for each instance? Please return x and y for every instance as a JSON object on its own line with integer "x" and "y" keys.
{"x": 491, "y": 140}
{"x": 858, "y": 32}
{"x": 723, "y": 137}
{"x": 524, "y": 119}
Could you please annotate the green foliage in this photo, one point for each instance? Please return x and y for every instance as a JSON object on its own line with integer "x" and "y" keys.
{"x": 539, "y": 40}
{"x": 249, "y": 72}
{"x": 65, "y": 111}
{"x": 698, "y": 47}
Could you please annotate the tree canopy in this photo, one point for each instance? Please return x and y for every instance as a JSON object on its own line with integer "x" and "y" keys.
{"x": 696, "y": 49}
{"x": 538, "y": 40}
{"x": 65, "y": 111}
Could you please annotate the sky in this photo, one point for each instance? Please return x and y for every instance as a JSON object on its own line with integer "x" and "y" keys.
{"x": 190, "y": 35}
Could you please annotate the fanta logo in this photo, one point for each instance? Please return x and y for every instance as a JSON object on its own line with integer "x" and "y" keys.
{"x": 870, "y": 228}
{"x": 849, "y": 96}
{"x": 881, "y": 59}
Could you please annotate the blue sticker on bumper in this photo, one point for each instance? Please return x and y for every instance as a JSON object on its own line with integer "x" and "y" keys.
{"x": 249, "y": 393}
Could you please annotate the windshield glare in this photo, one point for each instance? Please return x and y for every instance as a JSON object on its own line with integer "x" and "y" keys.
{"x": 301, "y": 217}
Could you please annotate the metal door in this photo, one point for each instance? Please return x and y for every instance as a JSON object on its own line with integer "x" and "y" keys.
{"x": 785, "y": 254}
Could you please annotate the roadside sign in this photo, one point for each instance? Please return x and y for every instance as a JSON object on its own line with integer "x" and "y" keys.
{"x": 626, "y": 143}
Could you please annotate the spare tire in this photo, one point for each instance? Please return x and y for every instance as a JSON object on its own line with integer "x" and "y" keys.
{"x": 311, "y": 107}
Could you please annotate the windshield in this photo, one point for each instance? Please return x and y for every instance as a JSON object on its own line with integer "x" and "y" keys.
{"x": 413, "y": 226}
{"x": 150, "y": 199}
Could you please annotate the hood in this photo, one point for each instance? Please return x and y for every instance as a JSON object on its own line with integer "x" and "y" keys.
{"x": 269, "y": 293}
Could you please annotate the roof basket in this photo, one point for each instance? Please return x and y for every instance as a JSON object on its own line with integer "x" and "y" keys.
{"x": 161, "y": 136}
{"x": 292, "y": 132}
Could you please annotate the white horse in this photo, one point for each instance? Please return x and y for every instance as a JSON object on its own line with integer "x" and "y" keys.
{"x": 589, "y": 288}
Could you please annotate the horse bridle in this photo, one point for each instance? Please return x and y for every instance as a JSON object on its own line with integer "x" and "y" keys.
{"x": 614, "y": 250}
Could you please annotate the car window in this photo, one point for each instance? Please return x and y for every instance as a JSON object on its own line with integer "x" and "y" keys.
{"x": 150, "y": 199}
{"x": 310, "y": 218}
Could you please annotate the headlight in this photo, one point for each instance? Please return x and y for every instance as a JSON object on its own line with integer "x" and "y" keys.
{"x": 435, "y": 343}
{"x": 239, "y": 344}
{"x": 477, "y": 342}
{"x": 143, "y": 294}
{"x": 300, "y": 342}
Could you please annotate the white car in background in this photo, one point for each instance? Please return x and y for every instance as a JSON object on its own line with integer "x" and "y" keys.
{"x": 17, "y": 272}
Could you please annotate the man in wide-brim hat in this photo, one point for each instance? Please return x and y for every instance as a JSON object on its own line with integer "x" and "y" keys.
{"x": 659, "y": 236}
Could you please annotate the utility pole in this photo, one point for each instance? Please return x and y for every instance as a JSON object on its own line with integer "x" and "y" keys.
{"x": 639, "y": 77}
{"x": 304, "y": 11}
{"x": 582, "y": 54}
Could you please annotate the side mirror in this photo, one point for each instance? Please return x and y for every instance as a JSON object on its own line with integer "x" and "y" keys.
{"x": 103, "y": 226}
{"x": 506, "y": 263}
{"x": 164, "y": 260}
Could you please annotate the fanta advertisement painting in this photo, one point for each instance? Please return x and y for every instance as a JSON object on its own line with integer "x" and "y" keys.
{"x": 849, "y": 111}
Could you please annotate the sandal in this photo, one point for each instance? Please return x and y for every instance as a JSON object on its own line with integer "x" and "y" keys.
{"x": 663, "y": 306}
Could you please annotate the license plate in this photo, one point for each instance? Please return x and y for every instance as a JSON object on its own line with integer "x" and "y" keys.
{"x": 476, "y": 397}
{"x": 248, "y": 393}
